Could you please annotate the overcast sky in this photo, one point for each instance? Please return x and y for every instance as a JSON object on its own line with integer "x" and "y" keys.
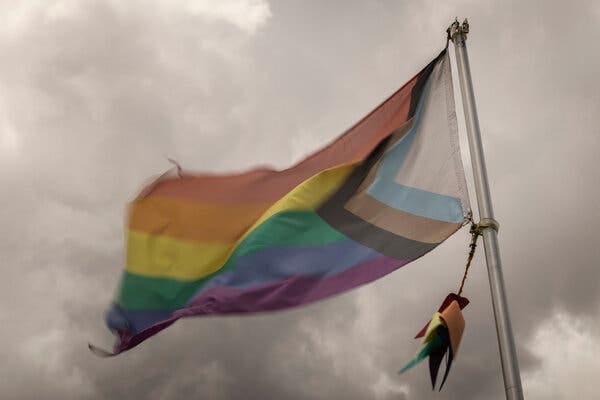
{"x": 94, "y": 95}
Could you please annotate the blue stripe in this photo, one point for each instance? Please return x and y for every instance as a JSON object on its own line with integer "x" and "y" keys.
{"x": 273, "y": 264}
{"x": 267, "y": 265}
{"x": 122, "y": 319}
{"x": 415, "y": 201}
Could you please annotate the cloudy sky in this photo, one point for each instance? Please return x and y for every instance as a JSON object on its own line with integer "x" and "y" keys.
{"x": 96, "y": 94}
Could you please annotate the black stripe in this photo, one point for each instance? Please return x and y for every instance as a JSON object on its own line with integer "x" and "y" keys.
{"x": 417, "y": 90}
{"x": 334, "y": 212}
{"x": 363, "y": 232}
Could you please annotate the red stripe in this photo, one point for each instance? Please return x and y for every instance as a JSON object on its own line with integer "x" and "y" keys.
{"x": 269, "y": 185}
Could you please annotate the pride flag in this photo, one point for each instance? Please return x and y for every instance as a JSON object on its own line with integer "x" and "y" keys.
{"x": 386, "y": 192}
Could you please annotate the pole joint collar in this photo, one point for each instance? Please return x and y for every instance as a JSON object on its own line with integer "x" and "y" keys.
{"x": 485, "y": 223}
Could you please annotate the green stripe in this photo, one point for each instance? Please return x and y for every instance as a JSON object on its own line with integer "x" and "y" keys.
{"x": 287, "y": 228}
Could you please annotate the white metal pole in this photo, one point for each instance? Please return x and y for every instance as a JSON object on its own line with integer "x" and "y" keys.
{"x": 508, "y": 354}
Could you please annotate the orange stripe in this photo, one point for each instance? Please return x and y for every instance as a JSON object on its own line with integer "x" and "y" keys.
{"x": 268, "y": 185}
{"x": 183, "y": 219}
{"x": 157, "y": 254}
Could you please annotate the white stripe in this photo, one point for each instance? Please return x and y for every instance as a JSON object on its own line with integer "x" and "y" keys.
{"x": 433, "y": 162}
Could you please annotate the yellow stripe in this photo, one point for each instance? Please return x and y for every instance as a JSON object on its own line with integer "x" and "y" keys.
{"x": 162, "y": 256}
{"x": 157, "y": 255}
{"x": 308, "y": 195}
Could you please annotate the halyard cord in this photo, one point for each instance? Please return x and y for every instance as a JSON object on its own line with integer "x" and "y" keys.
{"x": 476, "y": 231}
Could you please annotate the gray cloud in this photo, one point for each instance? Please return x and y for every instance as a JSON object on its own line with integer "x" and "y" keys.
{"x": 95, "y": 94}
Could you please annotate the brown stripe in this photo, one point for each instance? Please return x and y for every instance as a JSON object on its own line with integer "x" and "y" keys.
{"x": 359, "y": 229}
{"x": 182, "y": 219}
{"x": 399, "y": 222}
{"x": 397, "y": 135}
{"x": 268, "y": 185}
{"x": 392, "y": 220}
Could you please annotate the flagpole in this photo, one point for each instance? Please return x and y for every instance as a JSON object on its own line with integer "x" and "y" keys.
{"x": 508, "y": 354}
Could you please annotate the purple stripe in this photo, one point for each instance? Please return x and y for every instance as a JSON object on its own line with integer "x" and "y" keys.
{"x": 290, "y": 292}
{"x": 266, "y": 266}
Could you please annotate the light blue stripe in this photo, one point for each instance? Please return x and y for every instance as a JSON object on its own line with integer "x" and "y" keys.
{"x": 412, "y": 200}
{"x": 421, "y": 202}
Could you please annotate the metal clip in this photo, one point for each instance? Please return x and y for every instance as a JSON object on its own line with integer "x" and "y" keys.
{"x": 485, "y": 223}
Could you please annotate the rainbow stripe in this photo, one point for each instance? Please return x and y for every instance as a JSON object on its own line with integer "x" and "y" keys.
{"x": 383, "y": 194}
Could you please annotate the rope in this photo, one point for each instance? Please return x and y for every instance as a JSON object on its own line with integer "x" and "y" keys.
{"x": 475, "y": 232}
